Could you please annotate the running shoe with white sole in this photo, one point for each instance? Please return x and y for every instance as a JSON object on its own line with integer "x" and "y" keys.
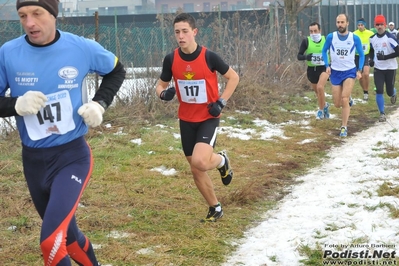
{"x": 326, "y": 111}
{"x": 343, "y": 132}
{"x": 214, "y": 213}
{"x": 382, "y": 118}
{"x": 226, "y": 172}
{"x": 320, "y": 115}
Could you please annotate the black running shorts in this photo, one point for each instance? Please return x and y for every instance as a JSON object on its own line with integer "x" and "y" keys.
{"x": 194, "y": 132}
{"x": 314, "y": 73}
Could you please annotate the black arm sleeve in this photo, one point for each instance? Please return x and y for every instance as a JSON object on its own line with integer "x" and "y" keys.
{"x": 215, "y": 62}
{"x": 7, "y": 106}
{"x": 302, "y": 49}
{"x": 393, "y": 55}
{"x": 166, "y": 74}
{"x": 110, "y": 84}
{"x": 371, "y": 53}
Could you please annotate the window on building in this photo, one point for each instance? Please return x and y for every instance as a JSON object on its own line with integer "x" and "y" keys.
{"x": 207, "y": 7}
{"x": 164, "y": 8}
{"x": 188, "y": 7}
{"x": 224, "y": 6}
{"x": 215, "y": 7}
{"x": 138, "y": 9}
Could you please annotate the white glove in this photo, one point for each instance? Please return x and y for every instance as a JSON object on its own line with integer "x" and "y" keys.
{"x": 92, "y": 113}
{"x": 30, "y": 103}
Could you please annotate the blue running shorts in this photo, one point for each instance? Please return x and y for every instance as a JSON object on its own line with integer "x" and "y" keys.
{"x": 338, "y": 77}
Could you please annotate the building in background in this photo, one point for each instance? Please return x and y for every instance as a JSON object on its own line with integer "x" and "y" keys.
{"x": 106, "y": 7}
{"x": 74, "y": 8}
{"x": 168, "y": 6}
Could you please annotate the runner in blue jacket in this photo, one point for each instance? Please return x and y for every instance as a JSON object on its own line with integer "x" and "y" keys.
{"x": 44, "y": 71}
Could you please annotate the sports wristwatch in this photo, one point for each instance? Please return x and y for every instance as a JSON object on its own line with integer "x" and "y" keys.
{"x": 223, "y": 101}
{"x": 103, "y": 104}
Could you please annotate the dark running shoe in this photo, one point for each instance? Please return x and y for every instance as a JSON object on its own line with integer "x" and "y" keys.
{"x": 393, "y": 97}
{"x": 213, "y": 215}
{"x": 226, "y": 173}
{"x": 382, "y": 118}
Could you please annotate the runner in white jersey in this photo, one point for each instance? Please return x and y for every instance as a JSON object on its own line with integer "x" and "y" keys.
{"x": 44, "y": 71}
{"x": 391, "y": 29}
{"x": 383, "y": 52}
{"x": 342, "y": 46}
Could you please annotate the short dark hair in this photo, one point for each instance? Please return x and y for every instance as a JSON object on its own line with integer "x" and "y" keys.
{"x": 184, "y": 17}
{"x": 345, "y": 15}
{"x": 315, "y": 24}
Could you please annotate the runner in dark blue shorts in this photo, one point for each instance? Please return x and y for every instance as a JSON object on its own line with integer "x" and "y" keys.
{"x": 56, "y": 178}
{"x": 337, "y": 78}
{"x": 45, "y": 72}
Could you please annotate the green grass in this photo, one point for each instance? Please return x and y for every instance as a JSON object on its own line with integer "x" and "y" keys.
{"x": 140, "y": 217}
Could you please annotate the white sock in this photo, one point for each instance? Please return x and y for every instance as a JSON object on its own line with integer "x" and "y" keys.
{"x": 218, "y": 208}
{"x": 222, "y": 162}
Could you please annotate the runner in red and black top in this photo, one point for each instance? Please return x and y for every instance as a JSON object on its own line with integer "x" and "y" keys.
{"x": 194, "y": 71}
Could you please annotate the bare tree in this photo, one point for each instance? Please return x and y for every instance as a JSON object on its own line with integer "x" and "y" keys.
{"x": 292, "y": 8}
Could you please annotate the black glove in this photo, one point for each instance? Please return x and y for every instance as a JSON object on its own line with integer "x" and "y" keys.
{"x": 168, "y": 94}
{"x": 371, "y": 63}
{"x": 380, "y": 56}
{"x": 215, "y": 108}
{"x": 309, "y": 57}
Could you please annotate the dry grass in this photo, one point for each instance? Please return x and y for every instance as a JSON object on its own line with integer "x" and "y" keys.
{"x": 136, "y": 216}
{"x": 156, "y": 216}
